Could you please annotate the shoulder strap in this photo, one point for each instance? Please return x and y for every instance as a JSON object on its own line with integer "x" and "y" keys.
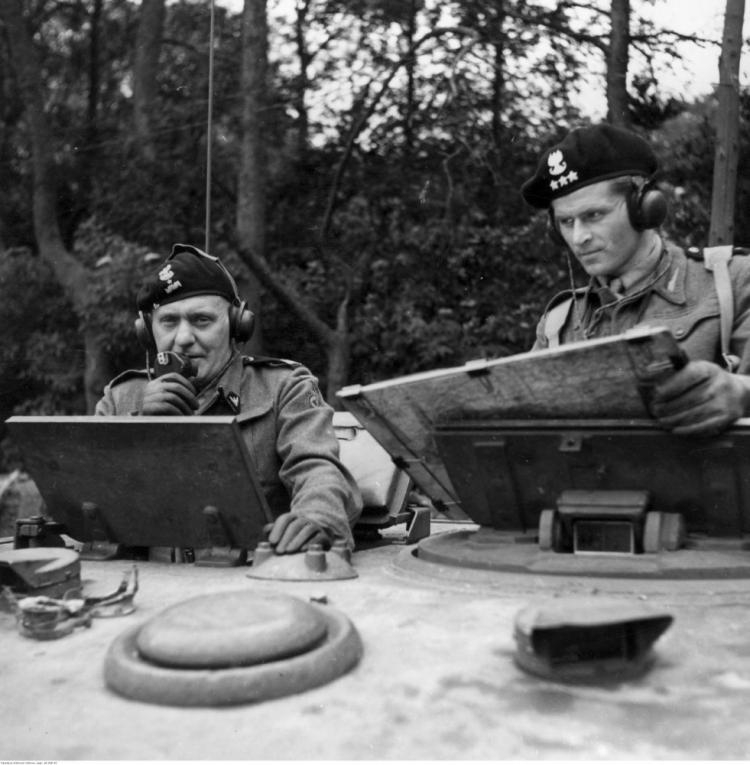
{"x": 128, "y": 374}
{"x": 555, "y": 320}
{"x": 716, "y": 259}
{"x": 268, "y": 361}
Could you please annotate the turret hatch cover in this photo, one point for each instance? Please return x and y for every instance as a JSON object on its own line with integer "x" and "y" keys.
{"x": 232, "y": 648}
{"x": 231, "y": 630}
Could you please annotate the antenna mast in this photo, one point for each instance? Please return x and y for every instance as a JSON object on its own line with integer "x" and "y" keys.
{"x": 209, "y": 129}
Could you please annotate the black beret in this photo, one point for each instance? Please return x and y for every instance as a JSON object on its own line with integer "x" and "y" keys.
{"x": 588, "y": 155}
{"x": 187, "y": 272}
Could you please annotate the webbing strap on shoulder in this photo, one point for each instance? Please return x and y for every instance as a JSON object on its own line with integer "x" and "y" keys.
{"x": 716, "y": 259}
{"x": 555, "y": 320}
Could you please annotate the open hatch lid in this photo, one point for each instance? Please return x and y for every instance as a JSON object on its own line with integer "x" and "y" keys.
{"x": 145, "y": 480}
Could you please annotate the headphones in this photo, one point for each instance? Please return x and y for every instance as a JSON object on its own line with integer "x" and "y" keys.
{"x": 241, "y": 318}
{"x": 647, "y": 208}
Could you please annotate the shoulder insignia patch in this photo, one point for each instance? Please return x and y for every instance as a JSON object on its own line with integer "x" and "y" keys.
{"x": 314, "y": 399}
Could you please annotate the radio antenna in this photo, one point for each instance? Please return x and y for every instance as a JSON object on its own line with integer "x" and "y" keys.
{"x": 209, "y": 129}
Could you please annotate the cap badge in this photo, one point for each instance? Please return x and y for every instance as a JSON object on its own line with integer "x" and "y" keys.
{"x": 166, "y": 274}
{"x": 556, "y": 163}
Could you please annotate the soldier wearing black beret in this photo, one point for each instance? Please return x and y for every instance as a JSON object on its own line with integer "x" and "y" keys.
{"x": 190, "y": 307}
{"x": 604, "y": 207}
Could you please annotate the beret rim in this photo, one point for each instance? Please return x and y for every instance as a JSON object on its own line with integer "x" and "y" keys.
{"x": 183, "y": 296}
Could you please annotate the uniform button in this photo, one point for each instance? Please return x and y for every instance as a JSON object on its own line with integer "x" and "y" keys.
{"x": 679, "y": 332}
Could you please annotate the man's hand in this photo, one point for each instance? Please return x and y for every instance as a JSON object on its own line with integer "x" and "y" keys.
{"x": 289, "y": 533}
{"x": 700, "y": 399}
{"x": 171, "y": 394}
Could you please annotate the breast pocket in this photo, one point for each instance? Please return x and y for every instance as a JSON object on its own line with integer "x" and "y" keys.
{"x": 696, "y": 330}
{"x": 258, "y": 428}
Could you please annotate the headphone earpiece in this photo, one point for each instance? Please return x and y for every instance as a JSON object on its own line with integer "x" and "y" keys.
{"x": 241, "y": 322}
{"x": 647, "y": 206}
{"x": 143, "y": 331}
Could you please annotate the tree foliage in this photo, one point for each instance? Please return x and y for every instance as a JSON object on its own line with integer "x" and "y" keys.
{"x": 399, "y": 135}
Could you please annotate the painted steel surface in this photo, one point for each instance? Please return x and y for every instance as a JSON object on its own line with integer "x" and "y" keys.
{"x": 437, "y": 679}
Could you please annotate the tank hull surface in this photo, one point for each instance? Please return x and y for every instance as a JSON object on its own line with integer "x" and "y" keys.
{"x": 437, "y": 679}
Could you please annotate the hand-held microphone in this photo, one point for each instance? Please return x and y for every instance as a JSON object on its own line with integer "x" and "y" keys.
{"x": 169, "y": 361}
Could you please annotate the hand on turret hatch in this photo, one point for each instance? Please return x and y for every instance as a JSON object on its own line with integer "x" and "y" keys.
{"x": 171, "y": 394}
{"x": 289, "y": 533}
{"x": 700, "y": 399}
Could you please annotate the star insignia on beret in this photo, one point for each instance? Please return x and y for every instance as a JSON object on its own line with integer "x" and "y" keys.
{"x": 571, "y": 177}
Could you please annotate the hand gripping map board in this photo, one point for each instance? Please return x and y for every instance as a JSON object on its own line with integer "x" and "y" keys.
{"x": 608, "y": 379}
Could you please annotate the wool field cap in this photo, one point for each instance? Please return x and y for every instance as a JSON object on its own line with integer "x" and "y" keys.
{"x": 187, "y": 272}
{"x": 588, "y": 155}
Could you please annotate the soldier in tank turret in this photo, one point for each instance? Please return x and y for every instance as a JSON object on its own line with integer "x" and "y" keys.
{"x": 597, "y": 185}
{"x": 190, "y": 306}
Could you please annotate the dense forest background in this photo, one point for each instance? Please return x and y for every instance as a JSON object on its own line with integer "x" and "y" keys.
{"x": 366, "y": 157}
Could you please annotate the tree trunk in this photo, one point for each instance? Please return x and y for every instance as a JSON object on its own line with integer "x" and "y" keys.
{"x": 410, "y": 65}
{"x": 72, "y": 276}
{"x": 92, "y": 105}
{"x": 302, "y": 83}
{"x": 339, "y": 355}
{"x": 145, "y": 67}
{"x": 617, "y": 64}
{"x": 494, "y": 171}
{"x": 498, "y": 75}
{"x": 89, "y": 152}
{"x": 251, "y": 185}
{"x": 727, "y": 127}
{"x": 339, "y": 362}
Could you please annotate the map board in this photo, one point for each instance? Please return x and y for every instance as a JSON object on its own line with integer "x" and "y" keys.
{"x": 608, "y": 378}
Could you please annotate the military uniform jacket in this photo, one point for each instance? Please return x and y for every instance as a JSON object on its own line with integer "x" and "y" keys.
{"x": 679, "y": 295}
{"x": 287, "y": 428}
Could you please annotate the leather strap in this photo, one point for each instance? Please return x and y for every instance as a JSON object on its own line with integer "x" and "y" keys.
{"x": 555, "y": 321}
{"x": 716, "y": 259}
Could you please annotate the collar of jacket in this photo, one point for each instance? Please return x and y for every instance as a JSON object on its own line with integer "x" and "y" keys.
{"x": 225, "y": 387}
{"x": 670, "y": 284}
